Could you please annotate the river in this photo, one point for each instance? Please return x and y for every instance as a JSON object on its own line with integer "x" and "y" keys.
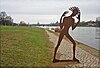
{"x": 87, "y": 35}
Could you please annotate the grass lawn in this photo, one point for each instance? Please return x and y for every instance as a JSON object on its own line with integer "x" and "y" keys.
{"x": 24, "y": 46}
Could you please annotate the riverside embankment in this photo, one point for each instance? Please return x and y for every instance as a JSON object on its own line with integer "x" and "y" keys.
{"x": 88, "y": 57}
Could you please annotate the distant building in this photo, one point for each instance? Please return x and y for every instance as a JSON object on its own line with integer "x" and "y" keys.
{"x": 98, "y": 21}
{"x": 98, "y": 18}
{"x": 91, "y": 23}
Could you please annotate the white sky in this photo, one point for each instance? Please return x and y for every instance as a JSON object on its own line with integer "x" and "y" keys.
{"x": 47, "y": 11}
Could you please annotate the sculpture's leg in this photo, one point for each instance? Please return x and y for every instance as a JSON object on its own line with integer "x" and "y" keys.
{"x": 58, "y": 44}
{"x": 74, "y": 44}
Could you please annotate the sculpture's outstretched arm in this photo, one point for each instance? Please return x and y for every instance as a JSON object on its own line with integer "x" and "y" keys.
{"x": 61, "y": 23}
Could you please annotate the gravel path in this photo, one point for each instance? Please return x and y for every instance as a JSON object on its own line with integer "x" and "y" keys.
{"x": 65, "y": 51}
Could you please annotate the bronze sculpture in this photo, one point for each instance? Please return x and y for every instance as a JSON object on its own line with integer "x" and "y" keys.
{"x": 64, "y": 30}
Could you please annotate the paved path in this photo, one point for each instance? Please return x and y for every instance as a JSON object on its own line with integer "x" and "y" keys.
{"x": 65, "y": 52}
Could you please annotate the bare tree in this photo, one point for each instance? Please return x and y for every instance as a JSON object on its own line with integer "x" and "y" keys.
{"x": 5, "y": 20}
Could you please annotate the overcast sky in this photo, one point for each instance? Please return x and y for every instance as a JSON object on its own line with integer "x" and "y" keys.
{"x": 47, "y": 11}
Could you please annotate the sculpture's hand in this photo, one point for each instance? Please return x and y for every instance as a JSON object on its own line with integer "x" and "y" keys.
{"x": 78, "y": 16}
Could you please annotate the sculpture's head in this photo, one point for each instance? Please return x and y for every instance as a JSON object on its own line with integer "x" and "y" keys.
{"x": 75, "y": 10}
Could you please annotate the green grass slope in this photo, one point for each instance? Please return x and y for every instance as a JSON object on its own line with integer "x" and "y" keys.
{"x": 24, "y": 46}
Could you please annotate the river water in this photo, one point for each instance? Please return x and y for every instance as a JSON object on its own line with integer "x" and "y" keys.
{"x": 87, "y": 35}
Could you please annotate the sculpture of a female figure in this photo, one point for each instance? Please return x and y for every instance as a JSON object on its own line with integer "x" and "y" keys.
{"x": 64, "y": 27}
